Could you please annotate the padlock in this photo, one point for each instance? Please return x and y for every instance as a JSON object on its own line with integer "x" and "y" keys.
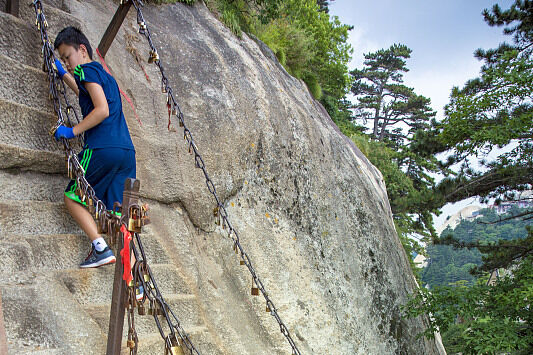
{"x": 242, "y": 262}
{"x": 173, "y": 345}
{"x": 101, "y": 225}
{"x": 268, "y": 309}
{"x": 90, "y": 206}
{"x": 141, "y": 309}
{"x": 150, "y": 310}
{"x": 175, "y": 350}
{"x": 159, "y": 309}
{"x": 153, "y": 56}
{"x": 255, "y": 290}
{"x": 131, "y": 344}
{"x": 131, "y": 225}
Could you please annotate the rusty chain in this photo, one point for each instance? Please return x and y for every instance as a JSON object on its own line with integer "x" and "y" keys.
{"x": 220, "y": 212}
{"x": 109, "y": 222}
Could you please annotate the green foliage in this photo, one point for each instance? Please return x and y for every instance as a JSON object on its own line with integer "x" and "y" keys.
{"x": 494, "y": 110}
{"x": 292, "y": 46}
{"x": 491, "y": 319}
{"x": 449, "y": 264}
{"x": 384, "y": 99}
{"x": 230, "y": 19}
{"x": 307, "y": 42}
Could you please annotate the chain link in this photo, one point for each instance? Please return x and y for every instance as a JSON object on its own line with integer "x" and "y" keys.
{"x": 220, "y": 211}
{"x": 108, "y": 222}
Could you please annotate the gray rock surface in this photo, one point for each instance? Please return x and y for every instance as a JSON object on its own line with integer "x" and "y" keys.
{"x": 310, "y": 210}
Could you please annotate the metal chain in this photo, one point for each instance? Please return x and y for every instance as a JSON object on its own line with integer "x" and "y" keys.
{"x": 108, "y": 221}
{"x": 75, "y": 171}
{"x": 142, "y": 275}
{"x": 220, "y": 211}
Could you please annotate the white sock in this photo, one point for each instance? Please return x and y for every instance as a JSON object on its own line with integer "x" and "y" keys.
{"x": 99, "y": 244}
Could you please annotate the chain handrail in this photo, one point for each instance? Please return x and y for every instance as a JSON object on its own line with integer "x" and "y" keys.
{"x": 220, "y": 211}
{"x": 108, "y": 222}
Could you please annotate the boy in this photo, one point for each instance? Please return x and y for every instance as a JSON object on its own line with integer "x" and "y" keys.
{"x": 108, "y": 156}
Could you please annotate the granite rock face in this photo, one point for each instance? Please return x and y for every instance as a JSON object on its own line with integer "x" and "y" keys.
{"x": 311, "y": 211}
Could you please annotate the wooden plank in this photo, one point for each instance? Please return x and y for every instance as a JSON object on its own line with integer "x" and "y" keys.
{"x": 113, "y": 27}
{"x": 12, "y": 7}
{"x": 119, "y": 297}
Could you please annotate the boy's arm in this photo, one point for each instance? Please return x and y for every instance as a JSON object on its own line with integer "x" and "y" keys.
{"x": 71, "y": 83}
{"x": 100, "y": 111}
{"x": 67, "y": 78}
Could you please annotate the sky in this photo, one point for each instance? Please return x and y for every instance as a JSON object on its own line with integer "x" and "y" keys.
{"x": 443, "y": 36}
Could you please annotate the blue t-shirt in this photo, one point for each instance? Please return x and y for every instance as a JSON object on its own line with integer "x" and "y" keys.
{"x": 113, "y": 130}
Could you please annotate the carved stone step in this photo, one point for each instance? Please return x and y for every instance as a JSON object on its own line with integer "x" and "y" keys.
{"x": 19, "y": 254}
{"x": 24, "y": 84}
{"x": 27, "y": 127}
{"x": 41, "y": 317}
{"x": 20, "y": 40}
{"x": 25, "y": 218}
{"x": 19, "y": 185}
{"x": 94, "y": 286}
{"x": 153, "y": 344}
{"x": 184, "y": 306}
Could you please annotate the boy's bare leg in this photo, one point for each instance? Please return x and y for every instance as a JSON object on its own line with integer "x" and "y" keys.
{"x": 83, "y": 218}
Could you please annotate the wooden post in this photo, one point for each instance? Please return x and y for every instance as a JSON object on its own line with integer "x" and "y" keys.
{"x": 12, "y": 7}
{"x": 119, "y": 298}
{"x": 113, "y": 27}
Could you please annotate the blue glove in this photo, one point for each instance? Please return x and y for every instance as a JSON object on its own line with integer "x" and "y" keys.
{"x": 64, "y": 132}
{"x": 60, "y": 70}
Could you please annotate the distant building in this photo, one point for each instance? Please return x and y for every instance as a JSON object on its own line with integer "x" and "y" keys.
{"x": 524, "y": 200}
{"x": 419, "y": 260}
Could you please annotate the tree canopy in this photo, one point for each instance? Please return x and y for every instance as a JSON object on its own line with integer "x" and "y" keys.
{"x": 492, "y": 111}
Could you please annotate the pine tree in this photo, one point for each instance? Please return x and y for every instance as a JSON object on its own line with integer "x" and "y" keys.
{"x": 493, "y": 110}
{"x": 383, "y": 98}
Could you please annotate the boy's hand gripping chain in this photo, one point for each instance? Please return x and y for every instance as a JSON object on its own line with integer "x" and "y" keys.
{"x": 220, "y": 212}
{"x": 109, "y": 222}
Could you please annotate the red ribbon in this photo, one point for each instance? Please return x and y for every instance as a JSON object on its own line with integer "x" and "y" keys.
{"x": 122, "y": 92}
{"x": 125, "y": 254}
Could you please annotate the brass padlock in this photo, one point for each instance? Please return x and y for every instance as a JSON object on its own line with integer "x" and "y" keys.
{"x": 131, "y": 225}
{"x": 175, "y": 350}
{"x": 131, "y": 344}
{"x": 242, "y": 262}
{"x": 255, "y": 290}
{"x": 153, "y": 56}
{"x": 90, "y": 206}
{"x": 175, "y": 346}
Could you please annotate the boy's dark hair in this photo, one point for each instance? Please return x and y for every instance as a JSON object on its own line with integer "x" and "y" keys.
{"x": 73, "y": 37}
